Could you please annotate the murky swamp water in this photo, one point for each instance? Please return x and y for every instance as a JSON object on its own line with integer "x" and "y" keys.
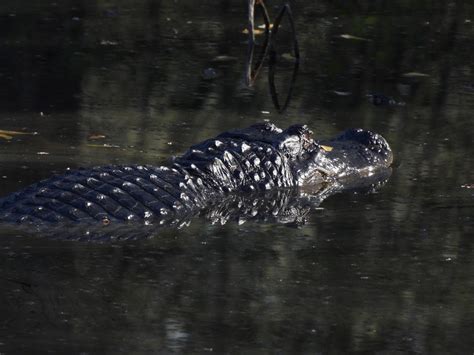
{"x": 121, "y": 82}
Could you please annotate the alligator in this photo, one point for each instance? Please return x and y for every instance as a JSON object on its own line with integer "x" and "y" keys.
{"x": 253, "y": 161}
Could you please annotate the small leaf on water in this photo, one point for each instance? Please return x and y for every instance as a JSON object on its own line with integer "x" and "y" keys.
{"x": 106, "y": 42}
{"x": 224, "y": 59}
{"x": 96, "y": 137}
{"x": 105, "y": 145}
{"x": 415, "y": 75}
{"x": 256, "y": 31}
{"x": 287, "y": 56}
{"x": 9, "y": 134}
{"x": 342, "y": 93}
{"x": 355, "y": 38}
{"x": 327, "y": 148}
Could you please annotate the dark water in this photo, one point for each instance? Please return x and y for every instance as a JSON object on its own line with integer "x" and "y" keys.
{"x": 390, "y": 272}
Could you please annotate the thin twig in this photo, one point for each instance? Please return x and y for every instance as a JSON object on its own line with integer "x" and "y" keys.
{"x": 276, "y": 25}
{"x": 252, "y": 71}
{"x": 273, "y": 59}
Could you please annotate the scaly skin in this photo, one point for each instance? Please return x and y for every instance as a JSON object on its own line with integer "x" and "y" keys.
{"x": 259, "y": 158}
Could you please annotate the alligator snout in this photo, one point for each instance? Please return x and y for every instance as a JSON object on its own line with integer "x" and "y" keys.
{"x": 372, "y": 141}
{"x": 354, "y": 154}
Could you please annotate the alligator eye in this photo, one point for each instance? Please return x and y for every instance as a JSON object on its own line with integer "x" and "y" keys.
{"x": 307, "y": 139}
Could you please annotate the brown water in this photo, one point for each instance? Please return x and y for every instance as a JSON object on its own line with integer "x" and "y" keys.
{"x": 390, "y": 272}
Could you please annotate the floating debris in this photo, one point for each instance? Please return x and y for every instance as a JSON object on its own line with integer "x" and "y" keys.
{"x": 224, "y": 59}
{"x": 105, "y": 42}
{"x": 415, "y": 75}
{"x": 42, "y": 153}
{"x": 105, "y": 145}
{"x": 256, "y": 31}
{"x": 288, "y": 57}
{"x": 468, "y": 186}
{"x": 94, "y": 137}
{"x": 8, "y": 135}
{"x": 342, "y": 93}
{"x": 355, "y": 38}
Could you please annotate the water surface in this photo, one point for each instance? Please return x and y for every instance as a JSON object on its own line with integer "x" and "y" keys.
{"x": 381, "y": 273}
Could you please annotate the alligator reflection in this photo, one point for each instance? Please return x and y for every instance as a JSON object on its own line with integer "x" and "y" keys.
{"x": 269, "y": 50}
{"x": 290, "y": 207}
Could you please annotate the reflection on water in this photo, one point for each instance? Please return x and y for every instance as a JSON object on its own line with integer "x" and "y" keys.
{"x": 387, "y": 272}
{"x": 288, "y": 207}
{"x": 270, "y": 51}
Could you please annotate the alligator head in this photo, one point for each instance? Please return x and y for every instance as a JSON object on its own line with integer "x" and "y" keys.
{"x": 349, "y": 158}
{"x": 263, "y": 156}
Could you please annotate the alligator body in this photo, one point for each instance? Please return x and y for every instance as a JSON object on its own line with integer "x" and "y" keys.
{"x": 261, "y": 158}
